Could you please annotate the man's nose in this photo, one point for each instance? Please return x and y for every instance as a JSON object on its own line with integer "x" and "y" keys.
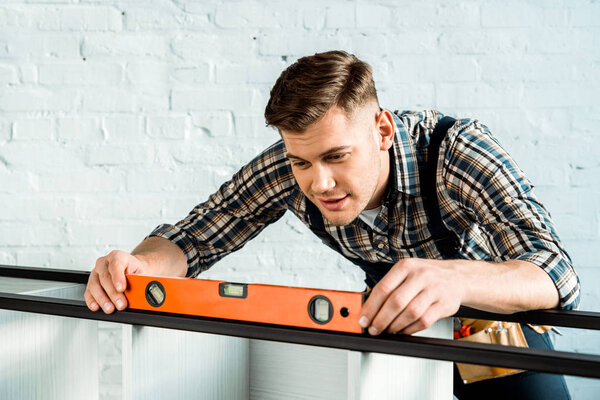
{"x": 323, "y": 180}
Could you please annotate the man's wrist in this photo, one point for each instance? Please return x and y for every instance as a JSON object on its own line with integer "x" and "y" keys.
{"x": 144, "y": 261}
{"x": 504, "y": 287}
{"x": 160, "y": 256}
{"x": 463, "y": 278}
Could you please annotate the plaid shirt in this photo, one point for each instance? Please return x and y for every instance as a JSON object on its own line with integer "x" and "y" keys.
{"x": 485, "y": 200}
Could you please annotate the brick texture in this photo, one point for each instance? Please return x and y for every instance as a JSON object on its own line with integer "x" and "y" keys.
{"x": 116, "y": 116}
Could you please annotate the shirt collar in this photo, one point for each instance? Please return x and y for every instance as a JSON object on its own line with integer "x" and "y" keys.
{"x": 404, "y": 168}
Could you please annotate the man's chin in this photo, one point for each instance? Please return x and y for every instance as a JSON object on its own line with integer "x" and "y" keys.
{"x": 339, "y": 219}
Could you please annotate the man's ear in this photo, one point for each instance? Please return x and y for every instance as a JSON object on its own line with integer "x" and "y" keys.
{"x": 384, "y": 124}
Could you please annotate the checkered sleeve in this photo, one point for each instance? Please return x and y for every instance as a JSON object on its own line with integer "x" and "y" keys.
{"x": 236, "y": 213}
{"x": 483, "y": 178}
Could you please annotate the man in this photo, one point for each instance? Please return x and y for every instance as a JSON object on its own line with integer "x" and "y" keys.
{"x": 352, "y": 172}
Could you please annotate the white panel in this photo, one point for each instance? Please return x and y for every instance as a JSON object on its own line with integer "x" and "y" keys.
{"x": 40, "y": 287}
{"x": 290, "y": 371}
{"x": 164, "y": 364}
{"x": 354, "y": 367}
{"x": 385, "y": 376}
{"x": 280, "y": 370}
{"x": 161, "y": 363}
{"x": 47, "y": 357}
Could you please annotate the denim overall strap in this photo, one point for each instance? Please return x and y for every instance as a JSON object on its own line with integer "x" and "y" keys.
{"x": 445, "y": 241}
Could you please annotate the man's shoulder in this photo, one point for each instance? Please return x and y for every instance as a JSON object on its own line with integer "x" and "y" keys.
{"x": 424, "y": 121}
{"x": 465, "y": 136}
{"x": 418, "y": 123}
{"x": 274, "y": 154}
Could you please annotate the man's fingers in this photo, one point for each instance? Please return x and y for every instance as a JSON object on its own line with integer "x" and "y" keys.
{"x": 414, "y": 310}
{"x": 90, "y": 301}
{"x": 107, "y": 281}
{"x": 95, "y": 293}
{"x": 404, "y": 298}
{"x": 395, "y": 305}
{"x": 119, "y": 263}
{"x": 380, "y": 294}
{"x": 431, "y": 316}
{"x": 117, "y": 299}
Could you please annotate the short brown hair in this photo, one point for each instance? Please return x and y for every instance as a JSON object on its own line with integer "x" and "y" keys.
{"x": 307, "y": 89}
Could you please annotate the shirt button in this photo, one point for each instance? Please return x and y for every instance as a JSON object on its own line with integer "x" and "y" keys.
{"x": 380, "y": 245}
{"x": 508, "y": 200}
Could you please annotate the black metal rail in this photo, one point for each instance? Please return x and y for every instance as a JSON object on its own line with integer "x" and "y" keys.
{"x": 45, "y": 274}
{"x": 570, "y": 319}
{"x": 558, "y": 362}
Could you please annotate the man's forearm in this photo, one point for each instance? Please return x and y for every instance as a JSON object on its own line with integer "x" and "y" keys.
{"x": 506, "y": 287}
{"x": 161, "y": 257}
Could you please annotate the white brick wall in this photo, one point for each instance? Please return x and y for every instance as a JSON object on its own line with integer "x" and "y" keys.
{"x": 116, "y": 116}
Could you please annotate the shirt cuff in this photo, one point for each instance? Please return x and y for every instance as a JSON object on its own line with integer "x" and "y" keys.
{"x": 562, "y": 274}
{"x": 185, "y": 243}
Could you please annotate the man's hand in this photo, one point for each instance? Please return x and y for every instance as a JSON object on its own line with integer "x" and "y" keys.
{"x": 107, "y": 281}
{"x": 413, "y": 295}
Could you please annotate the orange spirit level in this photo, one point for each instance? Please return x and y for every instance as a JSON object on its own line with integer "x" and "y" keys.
{"x": 333, "y": 310}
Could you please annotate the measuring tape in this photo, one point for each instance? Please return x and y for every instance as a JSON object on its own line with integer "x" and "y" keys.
{"x": 333, "y": 310}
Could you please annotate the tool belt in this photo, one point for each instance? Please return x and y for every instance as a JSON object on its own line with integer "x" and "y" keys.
{"x": 490, "y": 332}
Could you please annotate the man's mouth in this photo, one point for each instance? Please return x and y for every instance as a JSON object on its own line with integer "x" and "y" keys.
{"x": 333, "y": 203}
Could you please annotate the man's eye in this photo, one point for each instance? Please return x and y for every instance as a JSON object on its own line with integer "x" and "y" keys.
{"x": 299, "y": 164}
{"x": 338, "y": 157}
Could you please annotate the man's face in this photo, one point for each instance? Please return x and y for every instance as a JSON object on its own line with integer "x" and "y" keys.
{"x": 341, "y": 162}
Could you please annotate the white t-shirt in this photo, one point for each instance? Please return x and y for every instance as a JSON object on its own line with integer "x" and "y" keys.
{"x": 369, "y": 216}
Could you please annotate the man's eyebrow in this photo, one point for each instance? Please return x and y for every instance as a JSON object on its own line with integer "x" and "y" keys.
{"x": 327, "y": 152}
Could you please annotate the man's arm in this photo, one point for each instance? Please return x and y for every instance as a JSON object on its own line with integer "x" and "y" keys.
{"x": 242, "y": 207}
{"x": 415, "y": 293}
{"x": 528, "y": 268}
{"x": 507, "y": 287}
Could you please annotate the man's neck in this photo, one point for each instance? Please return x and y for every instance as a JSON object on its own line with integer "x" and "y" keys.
{"x": 382, "y": 184}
